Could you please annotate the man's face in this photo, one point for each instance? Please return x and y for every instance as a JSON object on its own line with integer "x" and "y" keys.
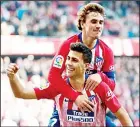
{"x": 93, "y": 25}
{"x": 75, "y": 65}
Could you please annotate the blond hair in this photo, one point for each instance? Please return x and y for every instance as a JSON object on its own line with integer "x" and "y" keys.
{"x": 90, "y": 7}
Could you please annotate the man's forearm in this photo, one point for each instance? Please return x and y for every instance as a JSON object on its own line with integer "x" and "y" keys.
{"x": 111, "y": 83}
{"x": 124, "y": 118}
{"x": 16, "y": 86}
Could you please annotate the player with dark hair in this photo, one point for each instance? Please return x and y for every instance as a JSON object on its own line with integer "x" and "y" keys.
{"x": 101, "y": 97}
{"x": 101, "y": 69}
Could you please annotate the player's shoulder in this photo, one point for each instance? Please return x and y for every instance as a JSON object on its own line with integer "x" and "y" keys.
{"x": 71, "y": 39}
{"x": 105, "y": 47}
{"x": 64, "y": 47}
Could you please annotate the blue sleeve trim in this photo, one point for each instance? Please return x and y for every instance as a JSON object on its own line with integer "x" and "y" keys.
{"x": 111, "y": 75}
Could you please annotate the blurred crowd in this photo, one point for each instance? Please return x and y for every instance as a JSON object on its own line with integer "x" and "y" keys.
{"x": 33, "y": 72}
{"x": 19, "y": 112}
{"x": 58, "y": 18}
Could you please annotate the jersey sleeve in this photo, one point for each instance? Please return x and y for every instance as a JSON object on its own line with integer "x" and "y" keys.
{"x": 107, "y": 97}
{"x": 108, "y": 70}
{"x": 45, "y": 92}
{"x": 56, "y": 70}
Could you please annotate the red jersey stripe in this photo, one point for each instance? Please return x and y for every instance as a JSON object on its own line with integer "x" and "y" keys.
{"x": 61, "y": 99}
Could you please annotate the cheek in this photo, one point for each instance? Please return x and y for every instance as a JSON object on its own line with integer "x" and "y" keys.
{"x": 90, "y": 28}
{"x": 87, "y": 26}
{"x": 81, "y": 68}
{"x": 102, "y": 26}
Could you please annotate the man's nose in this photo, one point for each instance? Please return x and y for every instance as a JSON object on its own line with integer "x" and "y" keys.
{"x": 69, "y": 62}
{"x": 98, "y": 25}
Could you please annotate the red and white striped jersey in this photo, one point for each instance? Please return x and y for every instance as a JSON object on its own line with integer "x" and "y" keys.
{"x": 102, "y": 63}
{"x": 69, "y": 114}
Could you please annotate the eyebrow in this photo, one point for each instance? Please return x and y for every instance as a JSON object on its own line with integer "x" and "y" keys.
{"x": 73, "y": 58}
{"x": 97, "y": 20}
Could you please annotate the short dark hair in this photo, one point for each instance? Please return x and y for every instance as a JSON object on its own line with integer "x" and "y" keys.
{"x": 80, "y": 47}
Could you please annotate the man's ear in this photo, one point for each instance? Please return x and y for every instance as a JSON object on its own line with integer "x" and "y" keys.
{"x": 86, "y": 65}
{"x": 82, "y": 25}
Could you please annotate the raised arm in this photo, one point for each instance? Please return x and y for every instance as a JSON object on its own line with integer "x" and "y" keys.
{"x": 48, "y": 92}
{"x": 17, "y": 85}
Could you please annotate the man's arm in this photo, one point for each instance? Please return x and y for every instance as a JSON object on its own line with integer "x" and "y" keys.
{"x": 123, "y": 116}
{"x": 108, "y": 70}
{"x": 16, "y": 84}
{"x": 111, "y": 101}
{"x": 49, "y": 92}
{"x": 28, "y": 93}
{"x": 107, "y": 75}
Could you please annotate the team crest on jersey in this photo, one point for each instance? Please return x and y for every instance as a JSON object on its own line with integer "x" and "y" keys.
{"x": 112, "y": 68}
{"x": 99, "y": 62}
{"x": 58, "y": 62}
{"x": 109, "y": 95}
{"x": 92, "y": 98}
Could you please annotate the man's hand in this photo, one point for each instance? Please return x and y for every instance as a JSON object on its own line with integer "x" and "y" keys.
{"x": 12, "y": 70}
{"x": 84, "y": 104}
{"x": 93, "y": 81}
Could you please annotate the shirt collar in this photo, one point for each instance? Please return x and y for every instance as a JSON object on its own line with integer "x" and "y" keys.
{"x": 80, "y": 38}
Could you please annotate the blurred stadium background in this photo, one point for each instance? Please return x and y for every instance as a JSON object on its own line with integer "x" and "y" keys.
{"x": 31, "y": 33}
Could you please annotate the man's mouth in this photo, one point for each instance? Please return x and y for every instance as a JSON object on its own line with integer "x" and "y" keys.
{"x": 70, "y": 69}
{"x": 97, "y": 31}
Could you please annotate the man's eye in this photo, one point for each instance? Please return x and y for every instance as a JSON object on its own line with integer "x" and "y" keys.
{"x": 101, "y": 22}
{"x": 93, "y": 22}
{"x": 75, "y": 60}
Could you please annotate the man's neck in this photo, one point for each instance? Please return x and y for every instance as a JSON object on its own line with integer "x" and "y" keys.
{"x": 88, "y": 41}
{"x": 77, "y": 83}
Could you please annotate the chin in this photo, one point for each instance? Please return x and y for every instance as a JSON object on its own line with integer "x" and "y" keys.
{"x": 69, "y": 75}
{"x": 95, "y": 36}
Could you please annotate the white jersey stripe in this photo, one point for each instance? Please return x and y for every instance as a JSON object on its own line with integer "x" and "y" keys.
{"x": 100, "y": 52}
{"x": 91, "y": 66}
{"x": 74, "y": 117}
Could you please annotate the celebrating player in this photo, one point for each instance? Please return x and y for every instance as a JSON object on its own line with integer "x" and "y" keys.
{"x": 101, "y": 97}
{"x": 101, "y": 69}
